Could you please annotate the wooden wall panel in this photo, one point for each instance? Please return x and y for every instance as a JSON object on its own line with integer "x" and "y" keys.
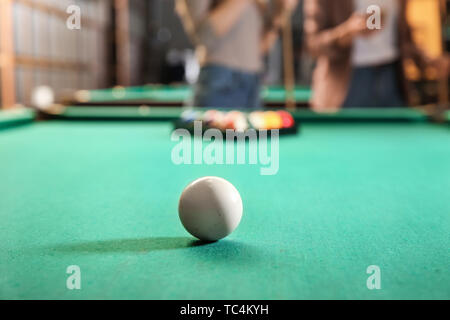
{"x": 7, "y": 79}
{"x": 45, "y": 52}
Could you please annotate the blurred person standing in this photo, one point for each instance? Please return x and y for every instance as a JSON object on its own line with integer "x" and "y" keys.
{"x": 356, "y": 66}
{"x": 232, "y": 37}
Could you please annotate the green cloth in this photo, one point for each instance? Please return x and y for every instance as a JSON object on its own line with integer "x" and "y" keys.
{"x": 301, "y": 115}
{"x": 14, "y": 117}
{"x": 158, "y": 93}
{"x": 104, "y": 196}
{"x": 183, "y": 93}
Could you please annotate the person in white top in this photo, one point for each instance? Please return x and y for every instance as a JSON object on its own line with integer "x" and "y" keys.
{"x": 357, "y": 66}
{"x": 381, "y": 47}
{"x": 375, "y": 61}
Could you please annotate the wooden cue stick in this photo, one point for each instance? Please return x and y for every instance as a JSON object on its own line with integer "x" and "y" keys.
{"x": 288, "y": 59}
{"x": 443, "y": 90}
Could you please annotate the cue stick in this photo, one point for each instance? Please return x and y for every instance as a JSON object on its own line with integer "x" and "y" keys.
{"x": 288, "y": 59}
{"x": 189, "y": 25}
{"x": 443, "y": 92}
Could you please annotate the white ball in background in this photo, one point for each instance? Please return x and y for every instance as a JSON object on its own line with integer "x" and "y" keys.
{"x": 42, "y": 97}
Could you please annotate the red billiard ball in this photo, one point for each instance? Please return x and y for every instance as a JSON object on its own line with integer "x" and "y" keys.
{"x": 287, "y": 118}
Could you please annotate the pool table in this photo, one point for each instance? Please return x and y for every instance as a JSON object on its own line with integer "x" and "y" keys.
{"x": 95, "y": 188}
{"x": 176, "y": 95}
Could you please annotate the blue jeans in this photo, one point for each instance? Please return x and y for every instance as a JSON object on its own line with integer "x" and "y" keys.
{"x": 222, "y": 87}
{"x": 374, "y": 87}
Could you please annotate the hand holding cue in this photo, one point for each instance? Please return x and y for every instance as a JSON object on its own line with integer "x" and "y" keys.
{"x": 288, "y": 59}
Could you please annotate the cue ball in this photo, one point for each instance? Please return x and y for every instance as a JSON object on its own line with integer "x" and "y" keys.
{"x": 210, "y": 208}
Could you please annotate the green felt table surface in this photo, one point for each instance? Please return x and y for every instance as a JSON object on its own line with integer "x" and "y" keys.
{"x": 164, "y": 113}
{"x": 104, "y": 195}
{"x": 16, "y": 117}
{"x": 181, "y": 93}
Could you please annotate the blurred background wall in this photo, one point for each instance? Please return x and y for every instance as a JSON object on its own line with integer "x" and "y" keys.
{"x": 121, "y": 42}
{"x": 135, "y": 42}
{"x": 47, "y": 52}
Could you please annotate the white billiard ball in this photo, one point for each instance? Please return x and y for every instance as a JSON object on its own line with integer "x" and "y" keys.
{"x": 210, "y": 208}
{"x": 42, "y": 97}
